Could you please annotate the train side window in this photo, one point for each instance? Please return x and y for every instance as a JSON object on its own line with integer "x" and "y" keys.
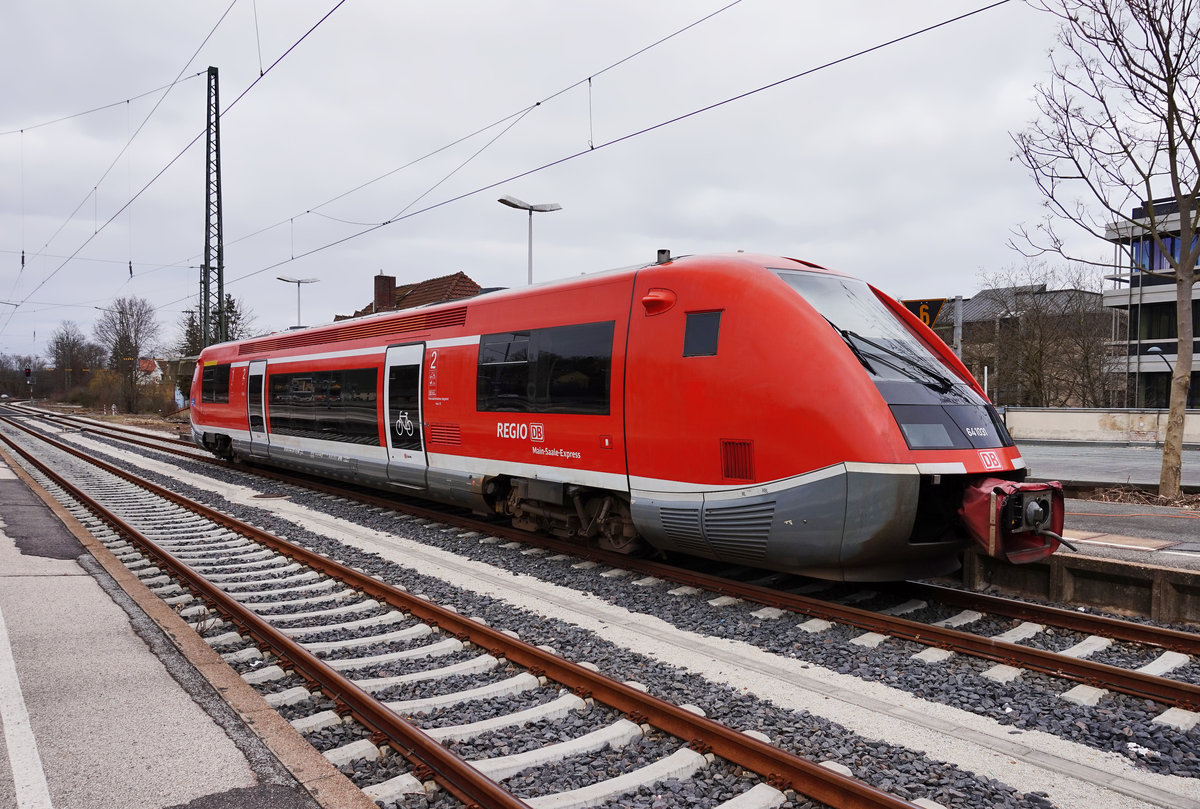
{"x": 358, "y": 405}
{"x": 214, "y": 385}
{"x": 573, "y": 365}
{"x": 502, "y": 383}
{"x": 279, "y": 402}
{"x": 336, "y": 405}
{"x": 561, "y": 369}
{"x": 700, "y": 334}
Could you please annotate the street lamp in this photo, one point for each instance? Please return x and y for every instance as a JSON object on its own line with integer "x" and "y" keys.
{"x": 297, "y": 282}
{"x": 1157, "y": 351}
{"x": 544, "y": 207}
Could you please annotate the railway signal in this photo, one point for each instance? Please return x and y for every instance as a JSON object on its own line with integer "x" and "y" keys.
{"x": 927, "y": 309}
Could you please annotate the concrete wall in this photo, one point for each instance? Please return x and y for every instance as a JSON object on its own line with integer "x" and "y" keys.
{"x": 1078, "y": 424}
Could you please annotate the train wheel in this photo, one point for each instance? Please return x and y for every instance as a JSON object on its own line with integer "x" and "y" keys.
{"x": 613, "y": 525}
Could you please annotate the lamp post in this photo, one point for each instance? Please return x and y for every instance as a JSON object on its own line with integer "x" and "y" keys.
{"x": 297, "y": 282}
{"x": 544, "y": 207}
{"x": 1157, "y": 351}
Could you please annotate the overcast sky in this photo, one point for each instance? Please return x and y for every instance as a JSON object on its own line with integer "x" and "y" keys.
{"x": 895, "y": 166}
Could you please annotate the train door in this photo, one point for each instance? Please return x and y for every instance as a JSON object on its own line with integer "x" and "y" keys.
{"x": 402, "y": 414}
{"x": 256, "y": 380}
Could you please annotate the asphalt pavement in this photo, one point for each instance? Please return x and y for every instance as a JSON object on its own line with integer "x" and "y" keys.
{"x": 1080, "y": 462}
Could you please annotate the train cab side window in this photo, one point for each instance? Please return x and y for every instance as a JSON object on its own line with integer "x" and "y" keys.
{"x": 700, "y": 334}
{"x": 214, "y": 385}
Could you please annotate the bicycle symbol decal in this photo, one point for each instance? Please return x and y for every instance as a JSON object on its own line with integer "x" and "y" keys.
{"x": 404, "y": 425}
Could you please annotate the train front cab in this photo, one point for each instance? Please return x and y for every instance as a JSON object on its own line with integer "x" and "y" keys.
{"x": 217, "y": 410}
{"x": 756, "y": 436}
{"x": 751, "y": 441}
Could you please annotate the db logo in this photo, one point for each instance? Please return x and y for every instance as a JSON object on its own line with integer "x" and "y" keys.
{"x": 990, "y": 460}
{"x": 537, "y": 432}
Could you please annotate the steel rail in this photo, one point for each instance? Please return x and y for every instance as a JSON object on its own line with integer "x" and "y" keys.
{"x": 780, "y": 768}
{"x": 1099, "y": 675}
{"x": 450, "y": 770}
{"x": 90, "y": 426}
{"x": 1133, "y": 683}
{"x": 1174, "y": 639}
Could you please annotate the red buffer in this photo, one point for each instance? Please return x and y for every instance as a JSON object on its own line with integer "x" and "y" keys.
{"x": 1021, "y": 522}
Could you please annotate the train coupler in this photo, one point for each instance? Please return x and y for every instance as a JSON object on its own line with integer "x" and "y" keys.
{"x": 1020, "y": 522}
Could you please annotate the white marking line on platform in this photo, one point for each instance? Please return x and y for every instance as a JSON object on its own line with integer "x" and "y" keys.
{"x": 1116, "y": 545}
{"x": 29, "y": 779}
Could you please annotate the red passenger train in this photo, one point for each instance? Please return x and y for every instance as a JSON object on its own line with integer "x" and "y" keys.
{"x": 756, "y": 410}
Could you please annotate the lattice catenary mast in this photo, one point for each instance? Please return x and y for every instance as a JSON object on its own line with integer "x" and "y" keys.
{"x": 213, "y": 326}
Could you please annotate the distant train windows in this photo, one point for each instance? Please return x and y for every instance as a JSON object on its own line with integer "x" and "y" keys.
{"x": 700, "y": 334}
{"x": 214, "y": 385}
{"x": 335, "y": 405}
{"x": 563, "y": 369}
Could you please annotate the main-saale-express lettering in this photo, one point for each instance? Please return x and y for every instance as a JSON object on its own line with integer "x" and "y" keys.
{"x": 507, "y": 429}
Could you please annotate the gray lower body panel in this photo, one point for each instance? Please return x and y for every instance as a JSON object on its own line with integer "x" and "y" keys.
{"x": 444, "y": 486}
{"x": 840, "y": 523}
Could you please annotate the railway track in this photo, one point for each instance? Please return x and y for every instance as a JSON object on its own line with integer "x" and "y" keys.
{"x": 846, "y": 620}
{"x": 279, "y": 593}
{"x": 1094, "y": 633}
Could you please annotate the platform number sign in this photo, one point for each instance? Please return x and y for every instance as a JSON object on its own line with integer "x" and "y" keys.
{"x": 927, "y": 310}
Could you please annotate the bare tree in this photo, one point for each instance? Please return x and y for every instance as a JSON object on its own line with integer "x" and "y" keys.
{"x": 239, "y": 318}
{"x": 129, "y": 331}
{"x": 70, "y": 352}
{"x": 1118, "y": 128}
{"x": 1043, "y": 334}
{"x": 239, "y": 324}
{"x": 12, "y": 373}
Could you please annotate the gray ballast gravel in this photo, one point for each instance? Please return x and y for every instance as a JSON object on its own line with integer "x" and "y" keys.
{"x": 1032, "y": 762}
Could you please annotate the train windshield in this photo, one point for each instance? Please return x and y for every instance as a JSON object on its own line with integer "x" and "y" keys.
{"x": 881, "y": 342}
{"x": 933, "y": 408}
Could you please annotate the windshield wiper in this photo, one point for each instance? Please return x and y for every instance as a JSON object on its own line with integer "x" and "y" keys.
{"x": 845, "y": 335}
{"x": 933, "y": 379}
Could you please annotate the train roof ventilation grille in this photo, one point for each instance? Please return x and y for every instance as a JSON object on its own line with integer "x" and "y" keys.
{"x": 737, "y": 460}
{"x": 373, "y": 327}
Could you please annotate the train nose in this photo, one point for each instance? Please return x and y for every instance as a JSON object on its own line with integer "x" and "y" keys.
{"x": 1020, "y": 522}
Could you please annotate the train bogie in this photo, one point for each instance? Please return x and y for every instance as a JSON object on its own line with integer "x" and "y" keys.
{"x": 712, "y": 406}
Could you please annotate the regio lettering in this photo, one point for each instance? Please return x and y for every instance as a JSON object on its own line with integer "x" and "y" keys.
{"x": 507, "y": 429}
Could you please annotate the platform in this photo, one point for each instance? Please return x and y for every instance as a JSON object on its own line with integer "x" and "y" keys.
{"x": 1135, "y": 533}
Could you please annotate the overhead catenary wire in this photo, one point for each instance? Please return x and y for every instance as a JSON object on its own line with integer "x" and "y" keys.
{"x": 510, "y": 120}
{"x": 621, "y": 139}
{"x": 521, "y": 113}
{"x": 406, "y": 214}
{"x": 173, "y": 160}
{"x": 102, "y": 107}
{"x": 132, "y": 137}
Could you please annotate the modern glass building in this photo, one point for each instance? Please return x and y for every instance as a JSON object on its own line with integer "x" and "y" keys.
{"x": 1144, "y": 286}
